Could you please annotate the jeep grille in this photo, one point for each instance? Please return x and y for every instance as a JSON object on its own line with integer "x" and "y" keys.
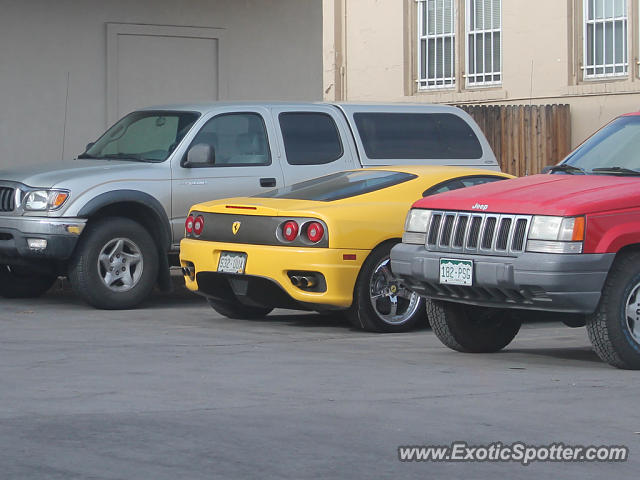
{"x": 485, "y": 233}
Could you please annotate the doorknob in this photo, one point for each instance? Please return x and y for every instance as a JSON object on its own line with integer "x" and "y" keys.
{"x": 267, "y": 182}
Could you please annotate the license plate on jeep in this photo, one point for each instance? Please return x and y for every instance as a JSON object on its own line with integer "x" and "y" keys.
{"x": 456, "y": 272}
{"x": 232, "y": 262}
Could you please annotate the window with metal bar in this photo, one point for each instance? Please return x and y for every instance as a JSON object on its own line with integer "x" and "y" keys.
{"x": 436, "y": 44}
{"x": 605, "y": 38}
{"x": 484, "y": 42}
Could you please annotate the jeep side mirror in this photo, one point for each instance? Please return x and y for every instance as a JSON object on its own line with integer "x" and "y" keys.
{"x": 200, "y": 155}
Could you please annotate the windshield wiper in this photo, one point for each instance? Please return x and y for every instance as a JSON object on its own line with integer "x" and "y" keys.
{"x": 86, "y": 155}
{"x": 124, "y": 156}
{"x": 616, "y": 171}
{"x": 566, "y": 168}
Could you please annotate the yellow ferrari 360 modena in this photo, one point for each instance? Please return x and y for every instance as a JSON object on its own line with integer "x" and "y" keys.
{"x": 318, "y": 245}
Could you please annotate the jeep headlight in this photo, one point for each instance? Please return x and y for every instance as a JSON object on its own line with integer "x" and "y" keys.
{"x": 556, "y": 234}
{"x": 44, "y": 200}
{"x": 416, "y": 226}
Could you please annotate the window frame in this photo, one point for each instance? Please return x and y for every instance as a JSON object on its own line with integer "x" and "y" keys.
{"x": 625, "y": 37}
{"x": 471, "y": 56}
{"x": 448, "y": 82}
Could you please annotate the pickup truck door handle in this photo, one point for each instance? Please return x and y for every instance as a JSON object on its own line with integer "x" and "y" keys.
{"x": 267, "y": 182}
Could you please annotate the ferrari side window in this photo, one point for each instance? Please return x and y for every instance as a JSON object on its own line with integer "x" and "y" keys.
{"x": 460, "y": 182}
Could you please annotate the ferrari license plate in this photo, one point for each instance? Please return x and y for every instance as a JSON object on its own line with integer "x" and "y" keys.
{"x": 232, "y": 262}
{"x": 456, "y": 272}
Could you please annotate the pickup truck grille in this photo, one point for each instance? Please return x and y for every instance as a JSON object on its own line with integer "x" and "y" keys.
{"x": 485, "y": 233}
{"x": 7, "y": 199}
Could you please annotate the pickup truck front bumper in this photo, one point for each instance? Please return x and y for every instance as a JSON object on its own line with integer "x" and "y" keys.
{"x": 61, "y": 235}
{"x": 533, "y": 281}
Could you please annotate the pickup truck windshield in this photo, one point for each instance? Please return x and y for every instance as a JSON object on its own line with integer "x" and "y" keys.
{"x": 340, "y": 185}
{"x": 146, "y": 136}
{"x": 613, "y": 150}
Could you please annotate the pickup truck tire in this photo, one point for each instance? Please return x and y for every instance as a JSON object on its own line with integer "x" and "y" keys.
{"x": 380, "y": 302}
{"x": 237, "y": 310}
{"x": 472, "y": 329}
{"x": 115, "y": 266}
{"x": 614, "y": 328}
{"x": 16, "y": 282}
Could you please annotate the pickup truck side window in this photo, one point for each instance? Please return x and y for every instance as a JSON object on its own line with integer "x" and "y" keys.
{"x": 238, "y": 139}
{"x": 416, "y": 136}
{"x": 310, "y": 138}
{"x": 460, "y": 182}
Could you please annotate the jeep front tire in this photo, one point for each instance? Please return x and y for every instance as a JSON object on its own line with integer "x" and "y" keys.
{"x": 115, "y": 265}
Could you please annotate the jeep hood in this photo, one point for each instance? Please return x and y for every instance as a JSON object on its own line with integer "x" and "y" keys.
{"x": 544, "y": 194}
{"x": 56, "y": 174}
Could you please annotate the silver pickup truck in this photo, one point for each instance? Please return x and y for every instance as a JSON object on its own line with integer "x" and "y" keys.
{"x": 111, "y": 219}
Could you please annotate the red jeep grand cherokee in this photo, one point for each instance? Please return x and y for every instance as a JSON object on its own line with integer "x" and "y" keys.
{"x": 567, "y": 241}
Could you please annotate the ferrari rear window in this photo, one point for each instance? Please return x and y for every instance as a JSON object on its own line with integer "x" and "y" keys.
{"x": 340, "y": 185}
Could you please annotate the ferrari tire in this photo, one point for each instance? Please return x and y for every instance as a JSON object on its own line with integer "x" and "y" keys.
{"x": 381, "y": 303}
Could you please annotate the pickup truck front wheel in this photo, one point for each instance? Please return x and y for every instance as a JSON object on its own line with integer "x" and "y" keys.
{"x": 614, "y": 328}
{"x": 470, "y": 329}
{"x": 18, "y": 282}
{"x": 116, "y": 264}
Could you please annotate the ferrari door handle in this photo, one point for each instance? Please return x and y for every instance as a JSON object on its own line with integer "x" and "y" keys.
{"x": 267, "y": 182}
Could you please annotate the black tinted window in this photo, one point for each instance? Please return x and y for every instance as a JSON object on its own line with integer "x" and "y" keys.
{"x": 340, "y": 185}
{"x": 462, "y": 182}
{"x": 310, "y": 138}
{"x": 416, "y": 136}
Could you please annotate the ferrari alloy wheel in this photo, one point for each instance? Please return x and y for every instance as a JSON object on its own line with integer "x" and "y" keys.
{"x": 381, "y": 302}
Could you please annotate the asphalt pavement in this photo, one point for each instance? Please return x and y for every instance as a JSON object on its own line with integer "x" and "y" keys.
{"x": 174, "y": 391}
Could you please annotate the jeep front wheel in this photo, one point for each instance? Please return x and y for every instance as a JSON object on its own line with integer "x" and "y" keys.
{"x": 466, "y": 328}
{"x": 614, "y": 328}
{"x": 116, "y": 264}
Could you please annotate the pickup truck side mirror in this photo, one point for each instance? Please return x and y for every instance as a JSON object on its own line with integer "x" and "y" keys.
{"x": 200, "y": 155}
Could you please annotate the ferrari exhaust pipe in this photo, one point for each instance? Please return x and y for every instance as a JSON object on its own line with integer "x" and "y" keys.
{"x": 296, "y": 280}
{"x": 307, "y": 282}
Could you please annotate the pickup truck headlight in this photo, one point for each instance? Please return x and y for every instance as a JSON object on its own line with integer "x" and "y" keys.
{"x": 44, "y": 200}
{"x": 556, "y": 234}
{"x": 416, "y": 225}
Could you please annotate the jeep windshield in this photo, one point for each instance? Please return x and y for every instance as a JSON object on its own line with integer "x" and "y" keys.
{"x": 340, "y": 185}
{"x": 144, "y": 136}
{"x": 613, "y": 150}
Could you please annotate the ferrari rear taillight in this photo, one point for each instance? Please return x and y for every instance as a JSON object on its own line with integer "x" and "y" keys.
{"x": 290, "y": 231}
{"x": 315, "y": 231}
{"x": 198, "y": 225}
{"x": 188, "y": 224}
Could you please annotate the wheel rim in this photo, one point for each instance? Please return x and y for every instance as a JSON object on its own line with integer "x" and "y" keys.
{"x": 120, "y": 264}
{"x": 393, "y": 302}
{"x": 633, "y": 312}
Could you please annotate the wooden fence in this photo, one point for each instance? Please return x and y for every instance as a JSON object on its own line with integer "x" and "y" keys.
{"x": 525, "y": 138}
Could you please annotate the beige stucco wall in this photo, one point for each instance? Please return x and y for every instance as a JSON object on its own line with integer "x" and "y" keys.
{"x": 272, "y": 51}
{"x": 539, "y": 60}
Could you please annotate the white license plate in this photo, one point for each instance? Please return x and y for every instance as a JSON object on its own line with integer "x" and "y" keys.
{"x": 456, "y": 272}
{"x": 232, "y": 262}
